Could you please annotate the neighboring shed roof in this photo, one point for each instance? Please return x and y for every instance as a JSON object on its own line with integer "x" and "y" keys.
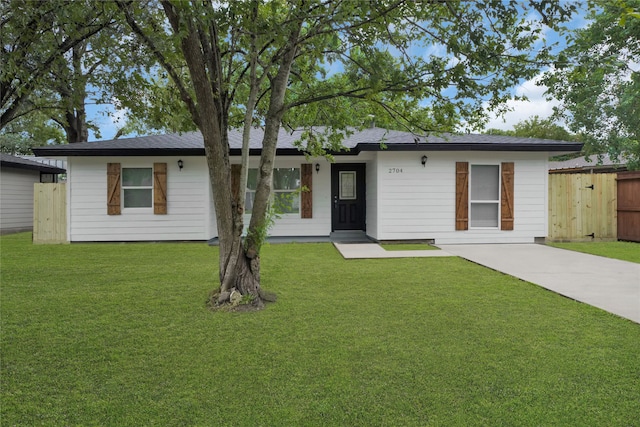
{"x": 591, "y": 163}
{"x": 191, "y": 143}
{"x": 9, "y": 161}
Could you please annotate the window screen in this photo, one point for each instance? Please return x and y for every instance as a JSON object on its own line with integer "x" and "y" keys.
{"x": 485, "y": 182}
{"x": 484, "y": 195}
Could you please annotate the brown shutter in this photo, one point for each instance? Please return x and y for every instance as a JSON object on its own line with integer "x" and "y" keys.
{"x": 506, "y": 204}
{"x": 462, "y": 196}
{"x": 160, "y": 188}
{"x": 235, "y": 182}
{"x": 306, "y": 198}
{"x": 113, "y": 188}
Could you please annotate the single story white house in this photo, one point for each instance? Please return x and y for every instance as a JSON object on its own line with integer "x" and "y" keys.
{"x": 17, "y": 176}
{"x": 448, "y": 189}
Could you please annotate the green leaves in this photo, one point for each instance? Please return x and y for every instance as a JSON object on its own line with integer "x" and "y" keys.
{"x": 38, "y": 38}
{"x": 535, "y": 127}
{"x": 627, "y": 12}
{"x": 32, "y": 130}
{"x": 599, "y": 82}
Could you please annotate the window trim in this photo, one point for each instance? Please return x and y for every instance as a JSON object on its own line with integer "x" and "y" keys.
{"x": 123, "y": 188}
{"x": 297, "y": 214}
{"x": 497, "y": 202}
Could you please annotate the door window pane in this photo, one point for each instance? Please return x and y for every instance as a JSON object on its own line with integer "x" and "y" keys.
{"x": 348, "y": 185}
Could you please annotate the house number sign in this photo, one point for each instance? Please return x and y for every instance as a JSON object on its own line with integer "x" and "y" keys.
{"x": 395, "y": 170}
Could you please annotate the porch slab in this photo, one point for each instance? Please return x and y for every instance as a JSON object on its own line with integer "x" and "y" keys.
{"x": 374, "y": 250}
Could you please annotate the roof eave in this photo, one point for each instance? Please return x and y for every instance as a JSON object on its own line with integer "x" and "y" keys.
{"x": 44, "y": 168}
{"x": 106, "y": 152}
{"x": 458, "y": 146}
{"x": 446, "y": 146}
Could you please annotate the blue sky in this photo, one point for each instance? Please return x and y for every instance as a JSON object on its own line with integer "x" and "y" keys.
{"x": 109, "y": 120}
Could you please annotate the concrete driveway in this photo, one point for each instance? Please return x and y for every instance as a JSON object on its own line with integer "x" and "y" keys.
{"x": 609, "y": 284}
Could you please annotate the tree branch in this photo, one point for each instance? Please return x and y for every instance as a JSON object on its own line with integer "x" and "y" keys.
{"x": 69, "y": 43}
{"x": 184, "y": 93}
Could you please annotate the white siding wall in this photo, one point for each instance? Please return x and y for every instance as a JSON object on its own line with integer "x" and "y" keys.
{"x": 419, "y": 202}
{"x": 188, "y": 202}
{"x": 372, "y": 196}
{"x": 416, "y": 203}
{"x": 16, "y": 205}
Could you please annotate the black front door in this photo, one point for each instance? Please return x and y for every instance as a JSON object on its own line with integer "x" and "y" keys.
{"x": 348, "y": 196}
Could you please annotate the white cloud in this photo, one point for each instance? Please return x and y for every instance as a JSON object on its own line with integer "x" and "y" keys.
{"x": 436, "y": 49}
{"x": 537, "y": 105}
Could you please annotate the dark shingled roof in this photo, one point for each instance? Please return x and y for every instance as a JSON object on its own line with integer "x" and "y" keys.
{"x": 9, "y": 161}
{"x": 592, "y": 163}
{"x": 191, "y": 143}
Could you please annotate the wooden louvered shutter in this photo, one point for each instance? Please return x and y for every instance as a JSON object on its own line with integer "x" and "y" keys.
{"x": 113, "y": 188}
{"x": 506, "y": 203}
{"x": 235, "y": 182}
{"x": 306, "y": 198}
{"x": 160, "y": 188}
{"x": 462, "y": 196}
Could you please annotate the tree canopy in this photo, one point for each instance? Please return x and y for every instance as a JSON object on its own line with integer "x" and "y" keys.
{"x": 58, "y": 57}
{"x": 421, "y": 67}
{"x": 536, "y": 127}
{"x": 26, "y": 132}
{"x": 597, "y": 79}
{"x": 37, "y": 38}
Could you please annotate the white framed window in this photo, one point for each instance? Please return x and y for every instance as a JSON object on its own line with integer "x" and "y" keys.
{"x": 137, "y": 187}
{"x": 286, "y": 190}
{"x": 484, "y": 196}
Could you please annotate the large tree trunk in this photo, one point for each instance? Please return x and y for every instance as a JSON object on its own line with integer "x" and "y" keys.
{"x": 76, "y": 125}
{"x": 239, "y": 260}
{"x": 245, "y": 255}
{"x": 74, "y": 94}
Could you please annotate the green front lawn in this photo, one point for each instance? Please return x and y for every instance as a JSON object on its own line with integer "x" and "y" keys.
{"x": 626, "y": 251}
{"x": 119, "y": 335}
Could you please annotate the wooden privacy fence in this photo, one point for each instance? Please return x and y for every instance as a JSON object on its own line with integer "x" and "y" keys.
{"x": 629, "y": 206}
{"x": 582, "y": 207}
{"x": 49, "y": 213}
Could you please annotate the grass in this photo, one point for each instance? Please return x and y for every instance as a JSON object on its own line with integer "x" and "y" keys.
{"x": 626, "y": 251}
{"x": 408, "y": 247}
{"x": 118, "y": 334}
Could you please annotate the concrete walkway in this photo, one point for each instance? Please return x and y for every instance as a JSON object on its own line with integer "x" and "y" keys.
{"x": 374, "y": 250}
{"x": 609, "y": 284}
